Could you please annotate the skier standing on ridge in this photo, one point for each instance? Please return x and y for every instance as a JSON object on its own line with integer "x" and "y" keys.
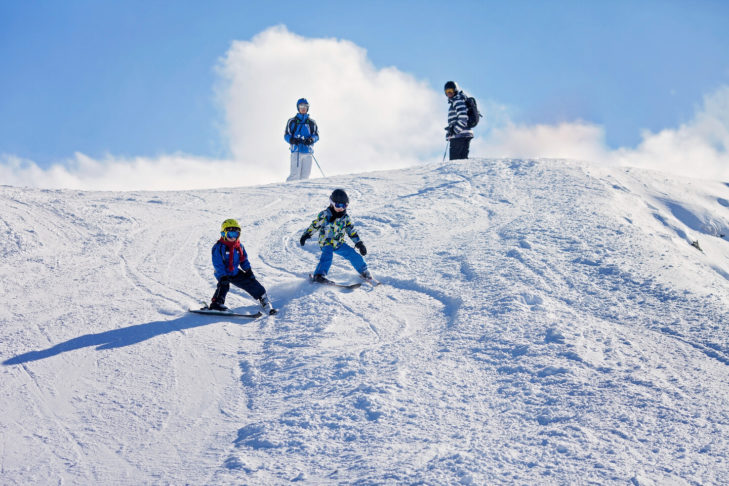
{"x": 458, "y": 131}
{"x": 233, "y": 267}
{"x": 301, "y": 133}
{"x": 332, "y": 224}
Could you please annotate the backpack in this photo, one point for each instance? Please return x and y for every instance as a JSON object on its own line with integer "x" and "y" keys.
{"x": 474, "y": 116}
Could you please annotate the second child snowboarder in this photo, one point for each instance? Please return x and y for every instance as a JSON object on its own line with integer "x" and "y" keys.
{"x": 332, "y": 224}
{"x": 232, "y": 267}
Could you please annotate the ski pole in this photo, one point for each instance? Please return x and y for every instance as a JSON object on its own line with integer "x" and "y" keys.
{"x": 317, "y": 164}
{"x": 448, "y": 142}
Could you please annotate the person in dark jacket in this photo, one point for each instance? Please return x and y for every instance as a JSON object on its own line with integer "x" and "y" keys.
{"x": 458, "y": 132}
{"x": 301, "y": 134}
{"x": 232, "y": 266}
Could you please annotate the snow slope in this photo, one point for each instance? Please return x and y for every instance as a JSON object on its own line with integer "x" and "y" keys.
{"x": 540, "y": 322}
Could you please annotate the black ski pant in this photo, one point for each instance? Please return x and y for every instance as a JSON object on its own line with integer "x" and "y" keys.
{"x": 459, "y": 148}
{"x": 241, "y": 280}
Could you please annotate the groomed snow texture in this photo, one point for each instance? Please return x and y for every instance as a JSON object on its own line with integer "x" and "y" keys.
{"x": 539, "y": 322}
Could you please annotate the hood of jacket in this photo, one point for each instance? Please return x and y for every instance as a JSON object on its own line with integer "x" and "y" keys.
{"x": 333, "y": 215}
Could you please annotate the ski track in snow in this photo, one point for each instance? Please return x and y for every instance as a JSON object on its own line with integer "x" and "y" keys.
{"x": 538, "y": 322}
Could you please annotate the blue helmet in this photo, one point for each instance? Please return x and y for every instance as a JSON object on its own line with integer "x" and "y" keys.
{"x": 302, "y": 101}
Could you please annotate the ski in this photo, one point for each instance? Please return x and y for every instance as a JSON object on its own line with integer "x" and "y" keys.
{"x": 211, "y": 312}
{"x": 335, "y": 284}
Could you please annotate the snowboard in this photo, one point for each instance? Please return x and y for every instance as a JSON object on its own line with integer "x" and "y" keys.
{"x": 335, "y": 284}
{"x": 211, "y": 312}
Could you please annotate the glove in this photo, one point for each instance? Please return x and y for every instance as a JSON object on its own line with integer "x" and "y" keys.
{"x": 360, "y": 246}
{"x": 304, "y": 237}
{"x": 450, "y": 131}
{"x": 309, "y": 141}
{"x": 296, "y": 140}
{"x": 247, "y": 273}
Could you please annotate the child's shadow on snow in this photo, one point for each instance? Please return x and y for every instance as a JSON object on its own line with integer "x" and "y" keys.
{"x": 118, "y": 338}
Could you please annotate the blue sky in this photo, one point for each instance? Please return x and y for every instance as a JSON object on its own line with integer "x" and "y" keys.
{"x": 142, "y": 78}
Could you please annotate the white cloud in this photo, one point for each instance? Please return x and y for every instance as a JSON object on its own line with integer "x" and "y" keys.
{"x": 577, "y": 140}
{"x": 699, "y": 148}
{"x": 368, "y": 118}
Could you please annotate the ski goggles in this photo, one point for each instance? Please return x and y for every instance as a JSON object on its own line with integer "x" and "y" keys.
{"x": 338, "y": 205}
{"x": 303, "y": 106}
{"x": 450, "y": 91}
{"x": 232, "y": 233}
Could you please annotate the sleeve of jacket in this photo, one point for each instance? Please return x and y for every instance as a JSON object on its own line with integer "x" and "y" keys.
{"x": 288, "y": 133}
{"x": 462, "y": 115}
{"x": 314, "y": 130}
{"x": 351, "y": 231}
{"x": 218, "y": 263}
{"x": 244, "y": 264}
{"x": 317, "y": 223}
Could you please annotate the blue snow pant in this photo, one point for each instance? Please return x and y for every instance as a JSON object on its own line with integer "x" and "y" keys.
{"x": 344, "y": 250}
{"x": 249, "y": 284}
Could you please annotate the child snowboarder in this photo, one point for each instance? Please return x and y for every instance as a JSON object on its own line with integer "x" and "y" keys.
{"x": 332, "y": 224}
{"x": 228, "y": 256}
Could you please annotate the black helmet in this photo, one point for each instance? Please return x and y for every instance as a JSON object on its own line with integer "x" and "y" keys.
{"x": 451, "y": 85}
{"x": 339, "y": 196}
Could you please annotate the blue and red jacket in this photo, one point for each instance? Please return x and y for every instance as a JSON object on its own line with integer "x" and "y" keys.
{"x": 228, "y": 256}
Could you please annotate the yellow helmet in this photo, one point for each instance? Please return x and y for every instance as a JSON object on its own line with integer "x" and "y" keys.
{"x": 228, "y": 226}
{"x": 229, "y": 223}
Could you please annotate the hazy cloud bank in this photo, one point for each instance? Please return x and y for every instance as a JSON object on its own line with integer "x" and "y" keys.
{"x": 698, "y": 148}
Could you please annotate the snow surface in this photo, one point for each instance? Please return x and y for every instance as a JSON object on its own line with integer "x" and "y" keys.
{"x": 539, "y": 322}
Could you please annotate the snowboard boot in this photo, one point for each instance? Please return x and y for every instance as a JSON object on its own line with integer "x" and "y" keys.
{"x": 266, "y": 305}
{"x": 217, "y": 306}
{"x": 320, "y": 278}
{"x": 367, "y": 277}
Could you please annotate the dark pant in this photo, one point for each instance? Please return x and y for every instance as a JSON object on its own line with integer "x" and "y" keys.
{"x": 249, "y": 284}
{"x": 459, "y": 148}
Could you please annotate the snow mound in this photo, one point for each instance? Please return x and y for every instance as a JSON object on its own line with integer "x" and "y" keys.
{"x": 540, "y": 321}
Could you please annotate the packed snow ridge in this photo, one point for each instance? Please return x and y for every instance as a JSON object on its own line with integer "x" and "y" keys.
{"x": 539, "y": 322}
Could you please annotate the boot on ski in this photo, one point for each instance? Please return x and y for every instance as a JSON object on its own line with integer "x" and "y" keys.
{"x": 266, "y": 305}
{"x": 217, "y": 306}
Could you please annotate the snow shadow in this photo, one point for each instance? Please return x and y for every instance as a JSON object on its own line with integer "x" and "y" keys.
{"x": 118, "y": 338}
{"x": 424, "y": 191}
{"x": 697, "y": 219}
